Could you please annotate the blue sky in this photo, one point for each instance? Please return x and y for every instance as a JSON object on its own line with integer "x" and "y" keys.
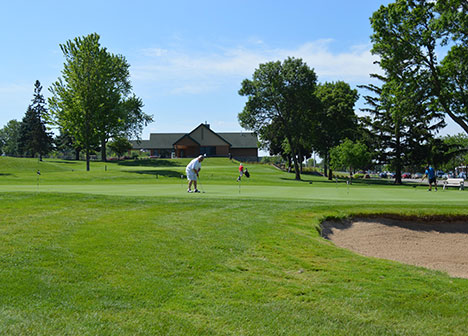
{"x": 187, "y": 58}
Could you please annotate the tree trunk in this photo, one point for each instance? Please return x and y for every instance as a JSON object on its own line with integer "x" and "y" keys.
{"x": 77, "y": 154}
{"x": 296, "y": 168}
{"x": 87, "y": 158}
{"x": 397, "y": 158}
{"x": 103, "y": 150}
{"x": 330, "y": 174}
{"x": 325, "y": 165}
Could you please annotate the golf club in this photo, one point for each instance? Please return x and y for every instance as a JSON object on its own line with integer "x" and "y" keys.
{"x": 202, "y": 190}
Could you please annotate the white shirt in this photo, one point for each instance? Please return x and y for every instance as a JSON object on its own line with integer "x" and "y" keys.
{"x": 194, "y": 164}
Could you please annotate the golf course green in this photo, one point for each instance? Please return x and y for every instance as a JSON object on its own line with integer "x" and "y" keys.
{"x": 124, "y": 250}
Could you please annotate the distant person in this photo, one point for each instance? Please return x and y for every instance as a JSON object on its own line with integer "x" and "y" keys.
{"x": 241, "y": 172}
{"x": 192, "y": 170}
{"x": 431, "y": 177}
{"x": 230, "y": 156}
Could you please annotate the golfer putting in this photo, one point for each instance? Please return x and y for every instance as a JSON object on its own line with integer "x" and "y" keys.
{"x": 192, "y": 170}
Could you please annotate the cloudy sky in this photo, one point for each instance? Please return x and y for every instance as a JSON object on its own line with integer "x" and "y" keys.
{"x": 187, "y": 58}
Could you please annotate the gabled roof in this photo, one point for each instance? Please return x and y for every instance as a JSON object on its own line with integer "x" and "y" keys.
{"x": 186, "y": 136}
{"x": 241, "y": 139}
{"x": 207, "y": 140}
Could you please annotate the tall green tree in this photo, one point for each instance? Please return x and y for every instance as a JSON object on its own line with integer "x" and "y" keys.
{"x": 92, "y": 102}
{"x": 9, "y": 135}
{"x": 404, "y": 121}
{"x": 281, "y": 94}
{"x": 412, "y": 37}
{"x": 337, "y": 120}
{"x": 33, "y": 136}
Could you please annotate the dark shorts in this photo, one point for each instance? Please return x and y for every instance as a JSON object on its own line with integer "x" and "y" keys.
{"x": 432, "y": 180}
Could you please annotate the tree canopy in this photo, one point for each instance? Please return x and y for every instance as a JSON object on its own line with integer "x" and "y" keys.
{"x": 92, "y": 102}
{"x": 281, "y": 96}
{"x": 336, "y": 120}
{"x": 412, "y": 37}
{"x": 9, "y": 138}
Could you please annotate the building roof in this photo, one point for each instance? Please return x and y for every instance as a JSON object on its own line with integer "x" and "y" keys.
{"x": 158, "y": 140}
{"x": 241, "y": 139}
{"x": 167, "y": 140}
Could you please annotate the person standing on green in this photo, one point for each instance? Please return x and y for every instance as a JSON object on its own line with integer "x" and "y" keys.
{"x": 431, "y": 176}
{"x": 192, "y": 170}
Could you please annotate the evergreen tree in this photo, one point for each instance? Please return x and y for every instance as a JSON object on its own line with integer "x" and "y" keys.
{"x": 404, "y": 120}
{"x": 33, "y": 136}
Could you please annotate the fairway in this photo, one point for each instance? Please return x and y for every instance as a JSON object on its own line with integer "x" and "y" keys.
{"x": 125, "y": 250}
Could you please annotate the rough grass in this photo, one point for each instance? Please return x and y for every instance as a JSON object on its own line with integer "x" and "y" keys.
{"x": 223, "y": 264}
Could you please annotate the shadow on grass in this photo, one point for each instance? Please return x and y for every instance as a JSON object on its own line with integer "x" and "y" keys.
{"x": 293, "y": 179}
{"x": 164, "y": 173}
{"x": 73, "y": 162}
{"x": 150, "y": 163}
{"x": 5, "y": 174}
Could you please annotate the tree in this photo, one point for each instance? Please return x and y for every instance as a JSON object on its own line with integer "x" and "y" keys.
{"x": 411, "y": 35}
{"x": 403, "y": 120}
{"x": 337, "y": 120}
{"x": 451, "y": 151}
{"x": 120, "y": 146}
{"x": 281, "y": 94}
{"x": 33, "y": 137}
{"x": 92, "y": 102}
{"x": 350, "y": 155}
{"x": 9, "y": 138}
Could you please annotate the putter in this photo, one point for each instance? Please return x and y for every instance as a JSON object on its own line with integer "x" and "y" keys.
{"x": 202, "y": 190}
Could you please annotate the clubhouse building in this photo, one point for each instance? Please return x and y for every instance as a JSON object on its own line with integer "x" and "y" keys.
{"x": 202, "y": 140}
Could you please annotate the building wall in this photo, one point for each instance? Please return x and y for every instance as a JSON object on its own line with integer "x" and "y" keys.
{"x": 222, "y": 150}
{"x": 245, "y": 154}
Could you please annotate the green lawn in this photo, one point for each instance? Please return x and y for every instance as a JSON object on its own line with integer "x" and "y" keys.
{"x": 121, "y": 252}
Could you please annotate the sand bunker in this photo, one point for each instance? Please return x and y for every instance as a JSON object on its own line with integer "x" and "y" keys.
{"x": 436, "y": 245}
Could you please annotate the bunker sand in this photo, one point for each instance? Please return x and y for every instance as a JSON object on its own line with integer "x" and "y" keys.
{"x": 440, "y": 246}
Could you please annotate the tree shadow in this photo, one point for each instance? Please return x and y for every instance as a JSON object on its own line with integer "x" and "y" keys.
{"x": 73, "y": 162}
{"x": 5, "y": 174}
{"x": 156, "y": 173}
{"x": 150, "y": 163}
{"x": 293, "y": 179}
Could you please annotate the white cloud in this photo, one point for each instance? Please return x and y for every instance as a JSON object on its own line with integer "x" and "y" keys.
{"x": 185, "y": 72}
